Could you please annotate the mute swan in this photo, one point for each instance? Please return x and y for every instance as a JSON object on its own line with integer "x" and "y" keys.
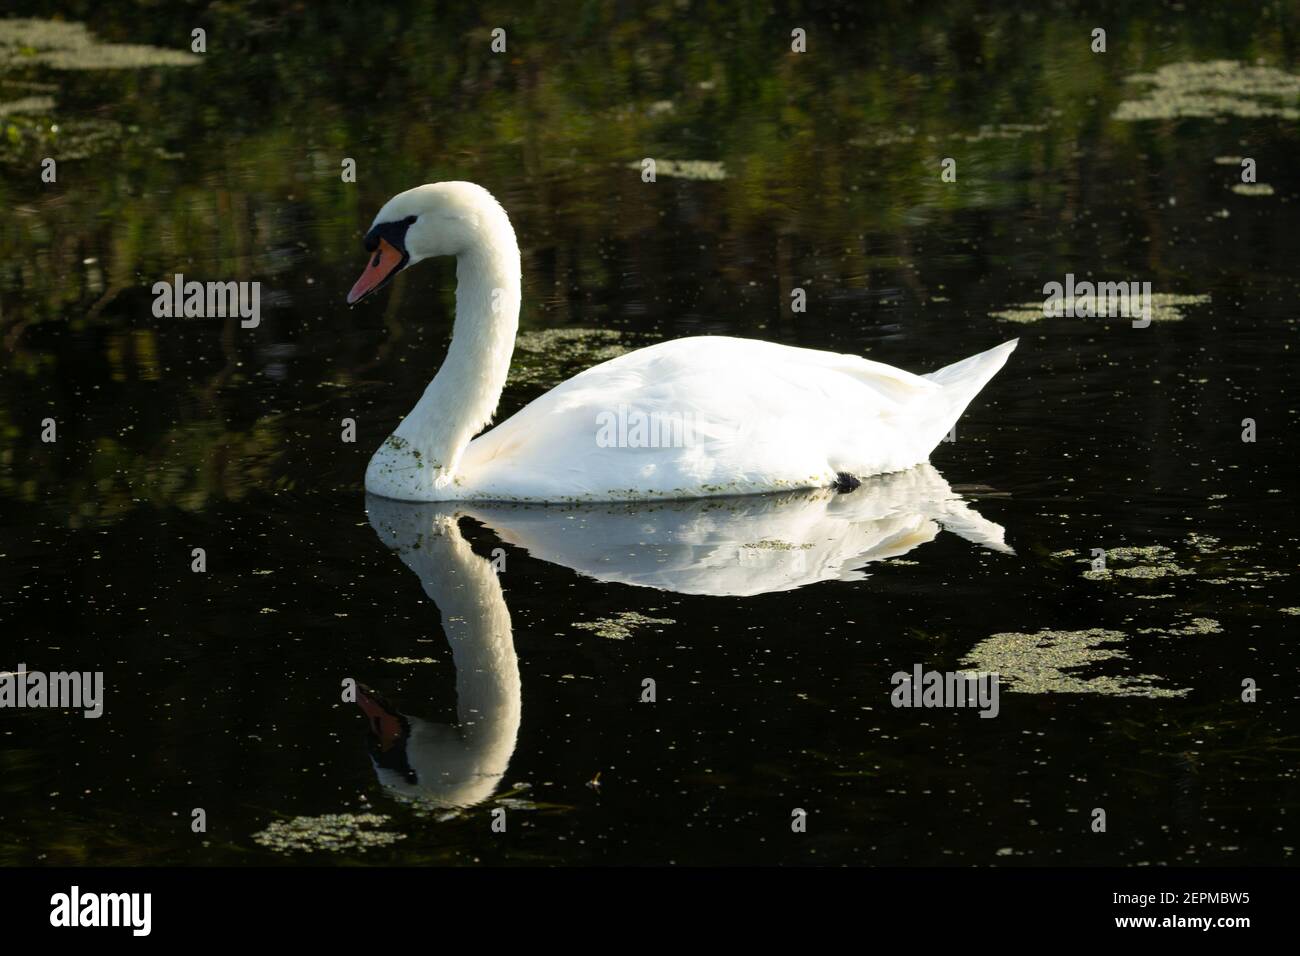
{"x": 726, "y": 416}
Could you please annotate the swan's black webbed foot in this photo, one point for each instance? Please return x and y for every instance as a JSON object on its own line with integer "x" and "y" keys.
{"x": 844, "y": 482}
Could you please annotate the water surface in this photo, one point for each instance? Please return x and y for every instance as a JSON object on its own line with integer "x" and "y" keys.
{"x": 770, "y": 628}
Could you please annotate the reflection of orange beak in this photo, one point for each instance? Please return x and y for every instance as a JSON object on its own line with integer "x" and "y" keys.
{"x": 384, "y": 264}
{"x": 384, "y": 724}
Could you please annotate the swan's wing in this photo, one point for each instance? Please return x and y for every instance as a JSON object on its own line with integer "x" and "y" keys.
{"x": 756, "y": 416}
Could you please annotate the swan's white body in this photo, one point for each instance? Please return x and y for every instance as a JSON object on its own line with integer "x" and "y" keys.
{"x": 694, "y": 417}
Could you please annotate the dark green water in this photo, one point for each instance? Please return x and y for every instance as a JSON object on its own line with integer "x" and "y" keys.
{"x": 1120, "y": 691}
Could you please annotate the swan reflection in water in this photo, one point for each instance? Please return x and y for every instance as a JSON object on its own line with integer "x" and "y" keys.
{"x": 711, "y": 546}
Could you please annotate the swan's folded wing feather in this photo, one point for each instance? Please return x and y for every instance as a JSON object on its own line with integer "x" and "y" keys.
{"x": 762, "y": 416}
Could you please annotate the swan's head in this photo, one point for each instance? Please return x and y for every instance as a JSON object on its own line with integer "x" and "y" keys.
{"x": 437, "y": 219}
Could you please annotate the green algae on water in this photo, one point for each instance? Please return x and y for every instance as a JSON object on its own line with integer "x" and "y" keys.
{"x": 28, "y": 104}
{"x": 1147, "y": 562}
{"x": 619, "y": 626}
{"x": 1196, "y": 627}
{"x": 1038, "y": 663}
{"x": 987, "y": 131}
{"x": 71, "y": 46}
{"x": 1215, "y": 89}
{"x": 1165, "y": 307}
{"x": 30, "y": 126}
{"x": 332, "y": 833}
{"x": 697, "y": 169}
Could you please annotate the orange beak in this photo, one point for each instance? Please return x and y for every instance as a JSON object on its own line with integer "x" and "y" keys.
{"x": 385, "y": 262}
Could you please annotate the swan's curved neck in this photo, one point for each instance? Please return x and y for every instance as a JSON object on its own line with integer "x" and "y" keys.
{"x": 463, "y": 396}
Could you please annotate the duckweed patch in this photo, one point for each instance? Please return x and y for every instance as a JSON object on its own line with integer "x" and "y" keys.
{"x": 1196, "y": 627}
{"x": 28, "y": 104}
{"x": 1041, "y": 663}
{"x": 621, "y": 625}
{"x": 1219, "y": 88}
{"x": 1203, "y": 553}
{"x": 987, "y": 131}
{"x": 1252, "y": 189}
{"x": 331, "y": 833}
{"x": 31, "y": 126}
{"x": 1165, "y": 307}
{"x": 1147, "y": 562}
{"x": 703, "y": 170}
{"x": 71, "y": 46}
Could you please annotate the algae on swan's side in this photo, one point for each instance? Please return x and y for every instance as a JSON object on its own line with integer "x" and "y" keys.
{"x": 775, "y": 544}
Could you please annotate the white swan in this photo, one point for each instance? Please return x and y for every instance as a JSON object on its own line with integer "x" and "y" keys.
{"x": 693, "y": 417}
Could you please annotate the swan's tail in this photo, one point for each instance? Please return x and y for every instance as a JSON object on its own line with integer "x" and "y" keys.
{"x": 963, "y": 380}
